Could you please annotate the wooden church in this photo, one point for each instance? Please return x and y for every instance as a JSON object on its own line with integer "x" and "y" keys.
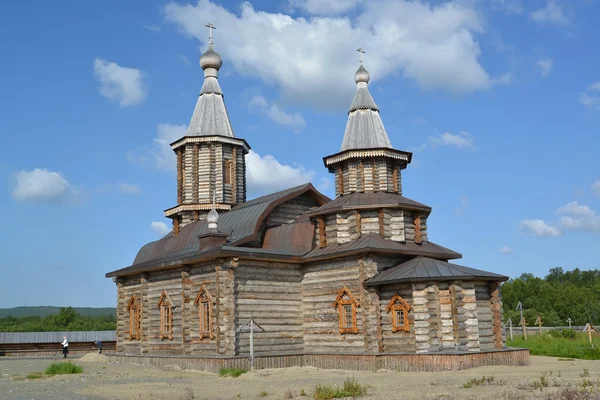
{"x": 357, "y": 275}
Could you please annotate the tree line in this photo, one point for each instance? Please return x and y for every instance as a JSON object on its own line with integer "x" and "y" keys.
{"x": 555, "y": 298}
{"x": 67, "y": 319}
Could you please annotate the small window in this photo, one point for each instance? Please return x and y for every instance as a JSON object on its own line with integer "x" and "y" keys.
{"x": 399, "y": 310}
{"x": 204, "y": 303}
{"x": 166, "y": 316}
{"x": 227, "y": 164}
{"x": 346, "y": 305}
{"x": 134, "y": 318}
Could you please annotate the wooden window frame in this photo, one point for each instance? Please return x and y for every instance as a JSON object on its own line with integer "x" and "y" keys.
{"x": 204, "y": 303}
{"x": 165, "y": 305}
{"x": 227, "y": 171}
{"x": 342, "y": 301}
{"x": 396, "y": 305}
{"x": 133, "y": 307}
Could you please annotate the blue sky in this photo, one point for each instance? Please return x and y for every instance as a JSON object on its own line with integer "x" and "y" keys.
{"x": 499, "y": 100}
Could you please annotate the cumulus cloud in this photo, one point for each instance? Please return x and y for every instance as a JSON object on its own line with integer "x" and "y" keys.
{"x": 265, "y": 174}
{"x": 552, "y": 13}
{"x": 160, "y": 155}
{"x": 508, "y": 6}
{"x": 160, "y": 227}
{"x": 129, "y": 188}
{"x": 313, "y": 61}
{"x": 40, "y": 185}
{"x": 596, "y": 188}
{"x": 462, "y": 140}
{"x": 544, "y": 65}
{"x": 121, "y": 84}
{"x": 153, "y": 28}
{"x": 505, "y": 250}
{"x": 325, "y": 7}
{"x": 579, "y": 217}
{"x": 290, "y": 120}
{"x": 537, "y": 227}
{"x": 591, "y": 97}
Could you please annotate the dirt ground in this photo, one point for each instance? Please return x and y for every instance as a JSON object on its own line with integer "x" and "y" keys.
{"x": 101, "y": 380}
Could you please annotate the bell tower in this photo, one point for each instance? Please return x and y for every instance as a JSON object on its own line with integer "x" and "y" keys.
{"x": 210, "y": 159}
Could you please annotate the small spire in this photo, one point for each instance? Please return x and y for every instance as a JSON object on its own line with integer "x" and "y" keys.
{"x": 210, "y": 28}
{"x": 213, "y": 216}
{"x": 210, "y": 60}
{"x": 361, "y": 75}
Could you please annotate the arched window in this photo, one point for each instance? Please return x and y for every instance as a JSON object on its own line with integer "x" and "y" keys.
{"x": 166, "y": 316}
{"x": 134, "y": 318}
{"x": 204, "y": 303}
{"x": 399, "y": 309}
{"x": 346, "y": 305}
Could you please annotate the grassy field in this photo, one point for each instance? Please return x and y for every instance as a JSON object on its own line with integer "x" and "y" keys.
{"x": 560, "y": 346}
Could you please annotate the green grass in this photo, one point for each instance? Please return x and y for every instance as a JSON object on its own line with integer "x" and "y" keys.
{"x": 35, "y": 375}
{"x": 485, "y": 380}
{"x": 233, "y": 372}
{"x": 351, "y": 389}
{"x": 60, "y": 368}
{"x": 547, "y": 345}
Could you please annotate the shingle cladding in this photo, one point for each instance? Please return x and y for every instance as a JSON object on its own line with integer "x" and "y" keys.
{"x": 424, "y": 268}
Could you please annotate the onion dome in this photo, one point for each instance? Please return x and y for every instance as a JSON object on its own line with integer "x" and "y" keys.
{"x": 211, "y": 59}
{"x": 361, "y": 75}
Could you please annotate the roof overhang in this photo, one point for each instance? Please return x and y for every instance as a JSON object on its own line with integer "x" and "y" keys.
{"x": 195, "y": 207}
{"x": 211, "y": 139}
{"x": 439, "y": 279}
{"x": 385, "y": 152}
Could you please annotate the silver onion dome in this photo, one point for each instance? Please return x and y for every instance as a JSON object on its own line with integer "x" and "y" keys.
{"x": 212, "y": 217}
{"x": 211, "y": 59}
{"x": 361, "y": 75}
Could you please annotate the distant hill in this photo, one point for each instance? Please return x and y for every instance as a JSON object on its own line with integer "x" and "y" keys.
{"x": 43, "y": 311}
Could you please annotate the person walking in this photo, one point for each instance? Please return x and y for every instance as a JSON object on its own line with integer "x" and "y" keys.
{"x": 65, "y": 345}
{"x": 99, "y": 344}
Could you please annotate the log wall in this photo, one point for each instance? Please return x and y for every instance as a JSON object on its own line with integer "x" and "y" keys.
{"x": 192, "y": 281}
{"x": 485, "y": 318}
{"x": 126, "y": 288}
{"x": 287, "y": 212}
{"x": 368, "y": 175}
{"x": 394, "y": 342}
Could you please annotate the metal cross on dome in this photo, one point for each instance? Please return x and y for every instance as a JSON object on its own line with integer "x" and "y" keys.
{"x": 210, "y": 28}
{"x": 361, "y": 51}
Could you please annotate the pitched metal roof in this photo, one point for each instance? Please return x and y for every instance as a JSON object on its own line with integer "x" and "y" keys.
{"x": 57, "y": 337}
{"x": 240, "y": 223}
{"x": 424, "y": 268}
{"x": 369, "y": 200}
{"x": 375, "y": 243}
{"x": 295, "y": 238}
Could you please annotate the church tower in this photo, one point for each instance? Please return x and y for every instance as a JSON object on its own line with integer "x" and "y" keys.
{"x": 366, "y": 161}
{"x": 210, "y": 159}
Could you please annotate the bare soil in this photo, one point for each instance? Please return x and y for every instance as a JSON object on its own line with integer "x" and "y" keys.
{"x": 120, "y": 381}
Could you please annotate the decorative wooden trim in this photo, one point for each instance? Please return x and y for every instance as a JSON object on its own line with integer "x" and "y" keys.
{"x": 133, "y": 307}
{"x": 234, "y": 175}
{"x": 381, "y": 217}
{"x": 217, "y": 305}
{"x": 340, "y": 181}
{"x": 176, "y": 225}
{"x": 395, "y": 178}
{"x": 342, "y": 304}
{"x": 361, "y": 167}
{"x": 195, "y": 172}
{"x": 204, "y": 302}
{"x": 165, "y": 305}
{"x": 399, "y": 306}
{"x": 496, "y": 305}
{"x": 374, "y": 175}
{"x": 418, "y": 237}
{"x": 358, "y": 222}
{"x": 322, "y": 236}
{"x": 211, "y": 171}
{"x": 179, "y": 176}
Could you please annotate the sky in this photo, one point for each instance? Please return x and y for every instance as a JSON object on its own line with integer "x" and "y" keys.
{"x": 498, "y": 100}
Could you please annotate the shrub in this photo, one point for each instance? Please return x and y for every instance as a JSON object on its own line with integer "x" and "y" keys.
{"x": 63, "y": 368}
{"x": 485, "y": 380}
{"x": 351, "y": 388}
{"x": 233, "y": 372}
{"x": 35, "y": 375}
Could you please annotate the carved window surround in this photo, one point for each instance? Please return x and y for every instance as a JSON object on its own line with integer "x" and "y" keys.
{"x": 165, "y": 305}
{"x": 346, "y": 305}
{"x": 134, "y": 318}
{"x": 204, "y": 303}
{"x": 399, "y": 309}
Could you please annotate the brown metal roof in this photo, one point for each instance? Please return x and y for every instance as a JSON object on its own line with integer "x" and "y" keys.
{"x": 241, "y": 223}
{"x": 296, "y": 238}
{"x": 375, "y": 243}
{"x": 369, "y": 200}
{"x": 424, "y": 269}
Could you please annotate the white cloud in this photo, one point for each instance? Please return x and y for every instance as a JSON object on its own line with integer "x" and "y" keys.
{"x": 325, "y": 7}
{"x": 291, "y": 120}
{"x": 121, "y": 84}
{"x": 160, "y": 227}
{"x": 508, "y": 6}
{"x": 552, "y": 13}
{"x": 579, "y": 218}
{"x": 40, "y": 185}
{"x": 591, "y": 97}
{"x": 183, "y": 59}
{"x": 153, "y": 28}
{"x": 464, "y": 203}
{"x": 313, "y": 61}
{"x": 129, "y": 188}
{"x": 160, "y": 155}
{"x": 463, "y": 140}
{"x": 506, "y": 250}
{"x": 265, "y": 174}
{"x": 596, "y": 188}
{"x": 545, "y": 66}
{"x": 537, "y": 227}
